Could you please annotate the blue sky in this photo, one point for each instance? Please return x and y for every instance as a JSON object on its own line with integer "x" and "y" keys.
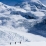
{"x": 43, "y": 1}
{"x": 12, "y": 2}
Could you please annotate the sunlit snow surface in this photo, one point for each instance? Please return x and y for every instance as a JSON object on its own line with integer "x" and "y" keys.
{"x": 25, "y": 23}
{"x": 27, "y": 44}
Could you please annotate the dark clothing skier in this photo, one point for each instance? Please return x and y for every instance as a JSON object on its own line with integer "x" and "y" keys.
{"x": 10, "y": 43}
{"x": 15, "y": 42}
{"x": 20, "y": 42}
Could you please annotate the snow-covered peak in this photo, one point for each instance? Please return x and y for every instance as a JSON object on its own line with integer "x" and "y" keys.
{"x": 3, "y": 6}
{"x": 1, "y": 3}
{"x": 36, "y": 3}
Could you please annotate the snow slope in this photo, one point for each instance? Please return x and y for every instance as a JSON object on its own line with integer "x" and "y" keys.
{"x": 28, "y": 44}
{"x": 25, "y": 23}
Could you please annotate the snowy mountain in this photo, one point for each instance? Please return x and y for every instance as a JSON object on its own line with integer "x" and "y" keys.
{"x": 24, "y": 22}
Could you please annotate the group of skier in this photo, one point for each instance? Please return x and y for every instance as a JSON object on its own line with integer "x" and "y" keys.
{"x": 15, "y": 43}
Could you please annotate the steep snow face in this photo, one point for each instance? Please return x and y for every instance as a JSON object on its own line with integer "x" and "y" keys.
{"x": 22, "y": 22}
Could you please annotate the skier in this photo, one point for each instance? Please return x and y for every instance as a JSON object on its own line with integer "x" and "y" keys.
{"x": 15, "y": 42}
{"x": 10, "y": 43}
{"x": 20, "y": 42}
